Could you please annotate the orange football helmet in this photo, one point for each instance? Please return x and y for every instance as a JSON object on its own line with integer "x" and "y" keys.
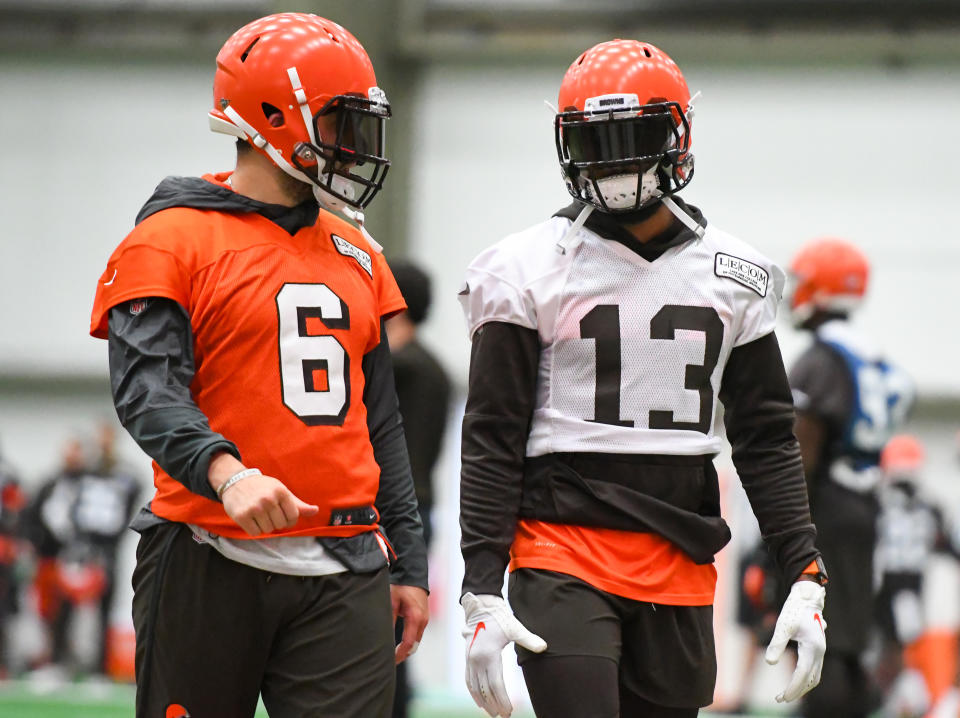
{"x": 828, "y": 274}
{"x": 623, "y": 126}
{"x": 903, "y": 455}
{"x": 282, "y": 79}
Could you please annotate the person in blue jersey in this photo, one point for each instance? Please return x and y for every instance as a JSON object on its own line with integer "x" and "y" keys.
{"x": 849, "y": 401}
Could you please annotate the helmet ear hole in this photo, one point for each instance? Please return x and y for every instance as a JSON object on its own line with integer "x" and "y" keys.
{"x": 243, "y": 57}
{"x": 273, "y": 114}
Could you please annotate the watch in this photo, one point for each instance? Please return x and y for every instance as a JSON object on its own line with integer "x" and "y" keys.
{"x": 816, "y": 571}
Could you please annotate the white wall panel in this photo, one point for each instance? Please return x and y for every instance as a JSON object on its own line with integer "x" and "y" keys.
{"x": 782, "y": 157}
{"x": 83, "y": 148}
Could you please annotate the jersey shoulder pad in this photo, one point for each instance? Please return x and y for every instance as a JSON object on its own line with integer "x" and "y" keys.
{"x": 499, "y": 281}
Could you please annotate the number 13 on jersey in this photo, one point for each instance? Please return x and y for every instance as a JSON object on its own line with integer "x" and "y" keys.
{"x": 602, "y": 324}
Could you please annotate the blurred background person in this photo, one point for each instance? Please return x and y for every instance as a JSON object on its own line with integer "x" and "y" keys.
{"x": 120, "y": 485}
{"x": 423, "y": 391}
{"x": 75, "y": 521}
{"x": 12, "y": 502}
{"x": 849, "y": 401}
{"x": 909, "y": 529}
{"x": 761, "y": 592}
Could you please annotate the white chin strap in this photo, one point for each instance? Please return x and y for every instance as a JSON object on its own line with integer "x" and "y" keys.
{"x": 687, "y": 220}
{"x": 338, "y": 184}
{"x": 571, "y": 238}
{"x": 620, "y": 191}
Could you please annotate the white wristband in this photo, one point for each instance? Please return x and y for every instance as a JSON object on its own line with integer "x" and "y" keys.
{"x": 234, "y": 479}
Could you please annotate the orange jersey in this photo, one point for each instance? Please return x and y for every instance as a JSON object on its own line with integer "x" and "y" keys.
{"x": 280, "y": 326}
{"x": 638, "y": 566}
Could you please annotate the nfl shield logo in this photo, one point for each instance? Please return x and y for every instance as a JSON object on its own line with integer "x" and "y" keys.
{"x": 137, "y": 306}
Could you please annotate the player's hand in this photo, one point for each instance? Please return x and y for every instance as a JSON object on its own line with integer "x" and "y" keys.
{"x": 801, "y": 620}
{"x": 410, "y": 604}
{"x": 261, "y": 504}
{"x": 490, "y": 626}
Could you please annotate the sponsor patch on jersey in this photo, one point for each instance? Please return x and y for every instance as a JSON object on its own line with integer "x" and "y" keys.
{"x": 740, "y": 270}
{"x": 350, "y": 250}
{"x": 137, "y": 306}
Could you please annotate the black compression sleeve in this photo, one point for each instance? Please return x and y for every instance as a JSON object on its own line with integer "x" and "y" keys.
{"x": 759, "y": 418}
{"x": 396, "y": 500}
{"x": 500, "y": 402}
{"x": 151, "y": 367}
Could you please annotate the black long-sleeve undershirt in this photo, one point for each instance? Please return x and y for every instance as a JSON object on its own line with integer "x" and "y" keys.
{"x": 759, "y": 419}
{"x": 500, "y": 402}
{"x": 496, "y": 421}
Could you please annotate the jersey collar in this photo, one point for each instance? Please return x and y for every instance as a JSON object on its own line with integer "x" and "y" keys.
{"x": 610, "y": 226}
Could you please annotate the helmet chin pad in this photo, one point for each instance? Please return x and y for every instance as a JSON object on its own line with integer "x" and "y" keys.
{"x": 619, "y": 192}
{"x": 343, "y": 193}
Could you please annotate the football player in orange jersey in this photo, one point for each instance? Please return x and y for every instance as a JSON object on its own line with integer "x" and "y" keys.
{"x": 602, "y": 340}
{"x": 248, "y": 358}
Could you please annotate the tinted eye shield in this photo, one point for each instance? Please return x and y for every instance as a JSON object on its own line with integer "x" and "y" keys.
{"x": 358, "y": 133}
{"x": 606, "y": 138}
{"x": 352, "y": 146}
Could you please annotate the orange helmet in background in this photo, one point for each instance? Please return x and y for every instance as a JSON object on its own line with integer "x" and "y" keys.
{"x": 829, "y": 275}
{"x": 279, "y": 78}
{"x": 623, "y": 126}
{"x": 903, "y": 455}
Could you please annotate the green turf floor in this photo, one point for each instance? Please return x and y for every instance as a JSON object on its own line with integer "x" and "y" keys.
{"x": 26, "y": 699}
{"x": 86, "y": 700}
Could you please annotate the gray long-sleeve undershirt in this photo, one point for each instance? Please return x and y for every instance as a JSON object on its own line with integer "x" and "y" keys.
{"x": 151, "y": 368}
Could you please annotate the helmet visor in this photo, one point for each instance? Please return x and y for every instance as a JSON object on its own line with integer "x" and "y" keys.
{"x": 351, "y": 147}
{"x": 604, "y": 137}
{"x": 360, "y": 128}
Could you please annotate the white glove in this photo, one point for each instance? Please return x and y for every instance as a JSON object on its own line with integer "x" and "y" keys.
{"x": 801, "y": 620}
{"x": 490, "y": 627}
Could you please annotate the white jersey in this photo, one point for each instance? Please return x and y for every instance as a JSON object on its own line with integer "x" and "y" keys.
{"x": 632, "y": 351}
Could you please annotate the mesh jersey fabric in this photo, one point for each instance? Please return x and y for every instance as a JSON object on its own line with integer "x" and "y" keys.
{"x": 527, "y": 280}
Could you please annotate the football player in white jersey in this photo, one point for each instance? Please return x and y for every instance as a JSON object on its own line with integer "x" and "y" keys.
{"x": 849, "y": 400}
{"x": 602, "y": 340}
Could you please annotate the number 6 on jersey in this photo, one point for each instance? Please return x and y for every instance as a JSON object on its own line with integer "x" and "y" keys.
{"x": 314, "y": 367}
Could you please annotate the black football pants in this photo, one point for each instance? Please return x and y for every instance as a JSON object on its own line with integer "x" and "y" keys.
{"x": 587, "y": 687}
{"x": 214, "y": 634}
{"x": 608, "y": 656}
